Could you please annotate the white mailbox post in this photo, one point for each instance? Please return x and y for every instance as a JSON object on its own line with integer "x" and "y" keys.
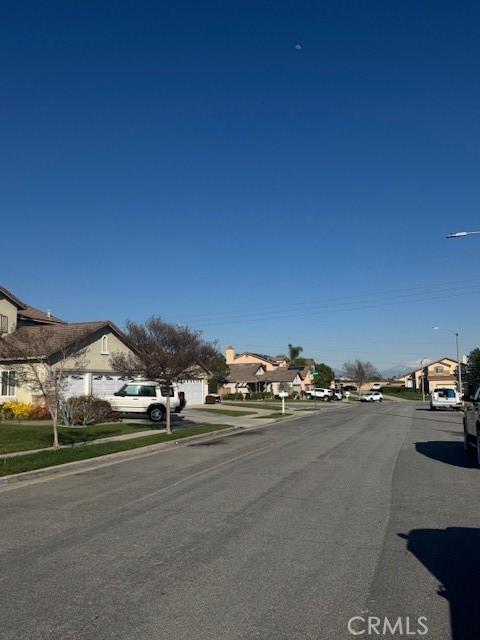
{"x": 283, "y": 395}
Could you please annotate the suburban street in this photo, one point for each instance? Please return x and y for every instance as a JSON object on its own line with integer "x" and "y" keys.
{"x": 283, "y": 532}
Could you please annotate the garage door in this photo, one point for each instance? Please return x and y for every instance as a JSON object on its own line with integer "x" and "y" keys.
{"x": 194, "y": 390}
{"x": 106, "y": 385}
{"x": 76, "y": 385}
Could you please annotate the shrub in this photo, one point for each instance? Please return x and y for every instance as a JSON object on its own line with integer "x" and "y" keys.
{"x": 85, "y": 410}
{"x": 23, "y": 411}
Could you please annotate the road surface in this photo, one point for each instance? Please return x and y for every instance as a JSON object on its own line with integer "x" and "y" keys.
{"x": 312, "y": 529}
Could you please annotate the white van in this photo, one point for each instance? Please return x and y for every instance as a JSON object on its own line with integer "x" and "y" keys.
{"x": 444, "y": 398}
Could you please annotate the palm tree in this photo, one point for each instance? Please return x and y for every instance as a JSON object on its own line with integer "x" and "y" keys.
{"x": 294, "y": 352}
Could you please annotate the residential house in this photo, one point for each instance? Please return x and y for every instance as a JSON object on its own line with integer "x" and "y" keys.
{"x": 440, "y": 373}
{"x": 253, "y": 358}
{"x": 93, "y": 375}
{"x": 254, "y": 372}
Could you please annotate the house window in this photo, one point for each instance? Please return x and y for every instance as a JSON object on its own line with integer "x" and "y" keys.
{"x": 3, "y": 324}
{"x": 8, "y": 383}
{"x": 438, "y": 369}
{"x": 104, "y": 351}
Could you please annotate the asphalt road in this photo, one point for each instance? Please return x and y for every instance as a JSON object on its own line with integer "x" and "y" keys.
{"x": 283, "y": 533}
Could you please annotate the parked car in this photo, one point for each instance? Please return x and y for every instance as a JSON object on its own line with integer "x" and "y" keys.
{"x": 349, "y": 387}
{"x": 376, "y": 387}
{"x": 471, "y": 424}
{"x": 337, "y": 394}
{"x": 444, "y": 398}
{"x": 372, "y": 396}
{"x": 321, "y": 394}
{"x": 146, "y": 397}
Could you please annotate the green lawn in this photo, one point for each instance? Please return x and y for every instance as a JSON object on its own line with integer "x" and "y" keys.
{"x": 227, "y": 412}
{"x": 32, "y": 461}
{"x": 402, "y": 392}
{"x": 21, "y": 437}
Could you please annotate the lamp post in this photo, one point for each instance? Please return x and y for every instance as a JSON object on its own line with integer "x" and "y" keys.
{"x": 459, "y": 364}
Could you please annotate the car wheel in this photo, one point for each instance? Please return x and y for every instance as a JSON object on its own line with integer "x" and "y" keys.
{"x": 432, "y": 408}
{"x": 467, "y": 445}
{"x": 156, "y": 414}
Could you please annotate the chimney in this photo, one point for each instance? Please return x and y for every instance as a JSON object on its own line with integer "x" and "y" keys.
{"x": 49, "y": 313}
{"x": 230, "y": 355}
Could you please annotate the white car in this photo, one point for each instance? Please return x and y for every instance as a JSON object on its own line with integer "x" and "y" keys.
{"x": 372, "y": 396}
{"x": 144, "y": 396}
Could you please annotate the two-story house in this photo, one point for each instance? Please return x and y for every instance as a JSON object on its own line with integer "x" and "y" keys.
{"x": 51, "y": 338}
{"x": 439, "y": 373}
{"x": 255, "y": 372}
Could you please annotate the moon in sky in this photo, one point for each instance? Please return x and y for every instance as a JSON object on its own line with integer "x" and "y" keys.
{"x": 298, "y": 46}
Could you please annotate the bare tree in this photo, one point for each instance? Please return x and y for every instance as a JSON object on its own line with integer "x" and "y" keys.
{"x": 42, "y": 362}
{"x": 360, "y": 372}
{"x": 164, "y": 353}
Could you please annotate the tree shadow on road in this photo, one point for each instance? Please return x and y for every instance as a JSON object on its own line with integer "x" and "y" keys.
{"x": 447, "y": 452}
{"x": 452, "y": 555}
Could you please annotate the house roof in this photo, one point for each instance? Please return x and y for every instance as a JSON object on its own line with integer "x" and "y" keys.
{"x": 261, "y": 356}
{"x": 245, "y": 372}
{"x": 13, "y": 299}
{"x": 26, "y": 311}
{"x": 282, "y": 374}
{"x": 30, "y": 313}
{"x": 44, "y": 341}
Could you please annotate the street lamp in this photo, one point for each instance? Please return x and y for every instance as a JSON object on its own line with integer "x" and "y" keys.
{"x": 462, "y": 234}
{"x": 460, "y": 385}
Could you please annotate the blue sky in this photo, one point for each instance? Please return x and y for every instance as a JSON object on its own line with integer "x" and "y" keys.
{"x": 188, "y": 159}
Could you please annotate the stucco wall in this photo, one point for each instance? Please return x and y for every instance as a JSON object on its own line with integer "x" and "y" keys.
{"x": 9, "y": 310}
{"x": 93, "y": 358}
{"x": 248, "y": 359}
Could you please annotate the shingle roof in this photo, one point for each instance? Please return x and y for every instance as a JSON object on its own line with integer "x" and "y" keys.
{"x": 47, "y": 340}
{"x": 36, "y": 314}
{"x": 8, "y": 294}
{"x": 262, "y": 356}
{"x": 26, "y": 311}
{"x": 282, "y": 374}
{"x": 244, "y": 373}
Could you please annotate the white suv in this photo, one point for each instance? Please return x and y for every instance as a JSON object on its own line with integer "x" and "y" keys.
{"x": 372, "y": 396}
{"x": 143, "y": 396}
{"x": 321, "y": 394}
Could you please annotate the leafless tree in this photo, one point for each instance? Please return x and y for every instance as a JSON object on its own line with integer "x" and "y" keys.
{"x": 360, "y": 372}
{"x": 42, "y": 362}
{"x": 164, "y": 353}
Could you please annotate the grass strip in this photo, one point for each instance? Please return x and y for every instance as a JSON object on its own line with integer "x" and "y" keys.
{"x": 30, "y": 462}
{"x": 16, "y": 436}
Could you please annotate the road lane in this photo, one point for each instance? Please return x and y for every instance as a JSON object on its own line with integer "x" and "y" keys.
{"x": 281, "y": 533}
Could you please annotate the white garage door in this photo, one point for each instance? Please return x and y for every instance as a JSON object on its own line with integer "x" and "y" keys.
{"x": 105, "y": 385}
{"x": 194, "y": 390}
{"x": 76, "y": 385}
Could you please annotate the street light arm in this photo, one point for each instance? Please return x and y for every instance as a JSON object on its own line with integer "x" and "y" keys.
{"x": 462, "y": 234}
